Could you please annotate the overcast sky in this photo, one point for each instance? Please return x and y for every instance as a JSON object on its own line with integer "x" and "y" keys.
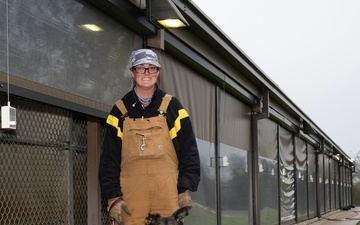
{"x": 310, "y": 49}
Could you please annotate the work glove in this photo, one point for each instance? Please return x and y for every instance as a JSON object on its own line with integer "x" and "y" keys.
{"x": 185, "y": 199}
{"x": 116, "y": 207}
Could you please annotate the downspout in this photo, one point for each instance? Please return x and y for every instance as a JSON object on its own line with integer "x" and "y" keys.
{"x": 260, "y": 111}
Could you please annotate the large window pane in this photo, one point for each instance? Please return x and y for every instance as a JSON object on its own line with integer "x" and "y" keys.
{"x": 321, "y": 183}
{"x": 235, "y": 197}
{"x": 204, "y": 210}
{"x": 234, "y": 149}
{"x": 332, "y": 183}
{"x": 327, "y": 183}
{"x": 47, "y": 45}
{"x": 301, "y": 179}
{"x": 312, "y": 180}
{"x": 196, "y": 94}
{"x": 268, "y": 172}
{"x": 287, "y": 177}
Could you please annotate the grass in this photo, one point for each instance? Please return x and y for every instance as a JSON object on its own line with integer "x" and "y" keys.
{"x": 202, "y": 215}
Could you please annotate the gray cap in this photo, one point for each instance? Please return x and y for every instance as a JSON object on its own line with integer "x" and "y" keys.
{"x": 144, "y": 56}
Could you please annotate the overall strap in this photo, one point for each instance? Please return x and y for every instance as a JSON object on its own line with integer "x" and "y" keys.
{"x": 165, "y": 103}
{"x": 122, "y": 108}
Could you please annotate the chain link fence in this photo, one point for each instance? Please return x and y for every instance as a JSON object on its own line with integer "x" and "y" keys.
{"x": 43, "y": 166}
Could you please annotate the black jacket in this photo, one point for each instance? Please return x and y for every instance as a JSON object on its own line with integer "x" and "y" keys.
{"x": 184, "y": 142}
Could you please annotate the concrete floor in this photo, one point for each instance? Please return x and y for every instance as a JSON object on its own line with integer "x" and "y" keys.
{"x": 339, "y": 217}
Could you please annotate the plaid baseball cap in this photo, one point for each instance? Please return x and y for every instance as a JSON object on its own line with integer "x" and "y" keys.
{"x": 143, "y": 56}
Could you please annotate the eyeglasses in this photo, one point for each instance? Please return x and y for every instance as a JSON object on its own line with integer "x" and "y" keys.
{"x": 140, "y": 69}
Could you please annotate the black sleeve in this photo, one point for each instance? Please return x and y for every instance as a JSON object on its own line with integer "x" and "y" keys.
{"x": 186, "y": 148}
{"x": 109, "y": 168}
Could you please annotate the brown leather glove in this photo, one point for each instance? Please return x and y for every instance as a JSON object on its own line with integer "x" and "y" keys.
{"x": 116, "y": 206}
{"x": 185, "y": 199}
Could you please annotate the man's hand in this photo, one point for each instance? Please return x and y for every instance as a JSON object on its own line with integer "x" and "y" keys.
{"x": 185, "y": 199}
{"x": 116, "y": 206}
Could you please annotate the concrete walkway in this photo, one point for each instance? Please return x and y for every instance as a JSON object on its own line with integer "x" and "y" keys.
{"x": 339, "y": 217}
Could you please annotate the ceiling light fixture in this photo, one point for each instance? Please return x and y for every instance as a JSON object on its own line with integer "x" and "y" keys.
{"x": 91, "y": 27}
{"x": 165, "y": 14}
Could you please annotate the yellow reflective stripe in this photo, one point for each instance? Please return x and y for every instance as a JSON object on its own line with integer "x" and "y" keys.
{"x": 177, "y": 125}
{"x": 113, "y": 121}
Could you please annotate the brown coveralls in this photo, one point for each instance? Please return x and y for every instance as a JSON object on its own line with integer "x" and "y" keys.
{"x": 149, "y": 167}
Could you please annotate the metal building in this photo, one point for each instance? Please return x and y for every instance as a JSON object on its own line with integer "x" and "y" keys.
{"x": 263, "y": 160}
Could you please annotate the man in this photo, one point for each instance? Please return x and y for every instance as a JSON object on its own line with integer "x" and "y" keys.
{"x": 150, "y": 160}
